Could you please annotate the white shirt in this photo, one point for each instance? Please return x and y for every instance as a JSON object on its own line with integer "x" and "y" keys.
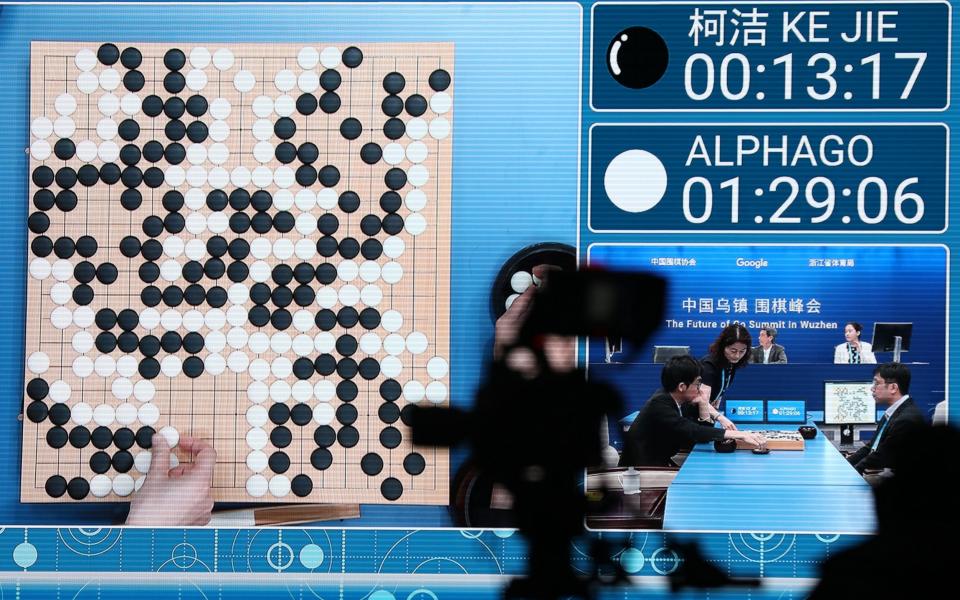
{"x": 766, "y": 354}
{"x": 893, "y": 407}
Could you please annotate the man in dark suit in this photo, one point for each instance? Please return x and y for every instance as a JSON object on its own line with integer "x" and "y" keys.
{"x": 891, "y": 384}
{"x": 768, "y": 352}
{"x": 675, "y": 420}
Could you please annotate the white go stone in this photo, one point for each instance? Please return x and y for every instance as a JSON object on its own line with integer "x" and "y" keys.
{"x": 142, "y": 461}
{"x": 417, "y": 342}
{"x": 260, "y": 248}
{"x": 193, "y": 320}
{"x": 171, "y": 365}
{"x": 85, "y": 59}
{"x": 215, "y": 364}
{"x": 130, "y": 104}
{"x": 100, "y": 486}
{"x": 520, "y": 281}
{"x": 108, "y": 104}
{"x": 256, "y": 438}
{"x": 280, "y": 342}
{"x": 149, "y": 318}
{"x": 82, "y": 367}
{"x": 65, "y": 104}
{"x": 324, "y": 342}
{"x": 257, "y": 415}
{"x": 171, "y": 434}
{"x": 103, "y": 415}
{"x": 415, "y": 224}
{"x": 173, "y": 246}
{"x": 196, "y": 80}
{"x": 413, "y": 391}
{"x": 122, "y": 388}
{"x": 218, "y": 177}
{"x": 417, "y": 175}
{"x": 196, "y": 176}
{"x": 39, "y": 362}
{"x": 305, "y": 199}
{"x": 301, "y": 391}
{"x": 303, "y": 321}
{"x": 369, "y": 271}
{"x": 323, "y": 414}
{"x": 109, "y": 79}
{"x": 417, "y": 129}
{"x": 262, "y": 106}
{"x": 283, "y": 248}
{"x": 237, "y": 316}
{"x": 308, "y": 57}
{"x": 306, "y": 224}
{"x": 127, "y": 367}
{"x": 262, "y": 129}
{"x": 170, "y": 269}
{"x": 223, "y": 59}
{"x": 244, "y": 81}
{"x": 126, "y": 413}
{"x": 324, "y": 390}
{"x": 220, "y": 109}
{"x": 394, "y": 344}
{"x": 330, "y": 57}
{"x": 393, "y": 247}
{"x": 279, "y": 486}
{"x": 439, "y": 128}
{"x": 326, "y": 297}
{"x": 196, "y": 154}
{"x": 370, "y": 343}
{"x": 392, "y": 321}
{"x": 41, "y": 127}
{"x": 215, "y": 320}
{"x": 88, "y": 82}
{"x": 437, "y": 367}
{"x": 237, "y": 338}
{"x": 200, "y": 57}
{"x": 257, "y": 460}
{"x": 303, "y": 344}
{"x": 148, "y": 414}
{"x": 281, "y": 367}
{"x": 87, "y": 151}
{"x": 371, "y": 295}
{"x": 326, "y": 198}
{"x": 392, "y": 272}
{"x": 441, "y": 103}
{"x": 285, "y": 80}
{"x": 219, "y": 131}
{"x": 262, "y": 176}
{"x": 393, "y": 153}
{"x": 259, "y": 369}
{"x": 263, "y": 152}
{"x": 218, "y": 222}
{"x": 391, "y": 366}
{"x": 64, "y": 127}
{"x": 260, "y": 271}
{"x": 196, "y": 199}
{"x": 195, "y": 249}
{"x": 258, "y": 392}
{"x": 144, "y": 390}
{"x": 280, "y": 391}
{"x": 105, "y": 365}
{"x": 175, "y": 176}
{"x": 347, "y": 270}
{"x": 284, "y": 177}
{"x": 259, "y": 342}
{"x": 83, "y": 316}
{"x": 61, "y": 317}
{"x": 240, "y": 176}
{"x": 417, "y": 152}
{"x": 415, "y": 200}
{"x": 81, "y": 413}
{"x": 106, "y": 129}
{"x": 40, "y": 150}
{"x": 40, "y": 268}
{"x": 308, "y": 81}
{"x": 60, "y": 293}
{"x": 349, "y": 295}
{"x": 257, "y": 486}
{"x": 62, "y": 270}
{"x": 283, "y": 200}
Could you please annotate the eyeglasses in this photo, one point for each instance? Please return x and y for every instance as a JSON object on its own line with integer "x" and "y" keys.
{"x": 879, "y": 383}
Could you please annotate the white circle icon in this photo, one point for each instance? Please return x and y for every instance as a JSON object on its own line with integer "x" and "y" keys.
{"x": 635, "y": 181}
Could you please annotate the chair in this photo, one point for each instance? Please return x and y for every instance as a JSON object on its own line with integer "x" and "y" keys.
{"x": 610, "y": 508}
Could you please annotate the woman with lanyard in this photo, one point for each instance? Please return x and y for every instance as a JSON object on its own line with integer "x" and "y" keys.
{"x": 729, "y": 353}
{"x": 853, "y": 351}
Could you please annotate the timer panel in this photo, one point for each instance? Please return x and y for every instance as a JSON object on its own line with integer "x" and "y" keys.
{"x": 710, "y": 178}
{"x": 766, "y": 56}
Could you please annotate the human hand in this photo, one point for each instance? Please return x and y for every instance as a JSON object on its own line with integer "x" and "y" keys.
{"x": 754, "y": 439}
{"x": 176, "y": 497}
{"x": 726, "y": 423}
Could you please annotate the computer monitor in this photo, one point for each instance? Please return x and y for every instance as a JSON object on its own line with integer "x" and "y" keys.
{"x": 884, "y": 334}
{"x": 745, "y": 411}
{"x": 849, "y": 403}
{"x": 662, "y": 354}
{"x": 787, "y": 411}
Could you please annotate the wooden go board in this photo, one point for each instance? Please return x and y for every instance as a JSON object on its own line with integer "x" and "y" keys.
{"x": 245, "y": 243}
{"x": 777, "y": 440}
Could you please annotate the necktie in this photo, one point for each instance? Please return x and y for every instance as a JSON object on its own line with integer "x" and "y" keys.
{"x": 880, "y": 428}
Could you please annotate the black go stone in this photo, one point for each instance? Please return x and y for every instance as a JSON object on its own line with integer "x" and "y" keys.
{"x": 439, "y": 80}
{"x": 347, "y": 391}
{"x": 306, "y": 175}
{"x": 149, "y": 368}
{"x": 414, "y": 464}
{"x": 394, "y": 128}
{"x": 371, "y": 463}
{"x": 41, "y": 246}
{"x": 283, "y": 221}
{"x": 281, "y": 296}
{"x": 260, "y": 293}
{"x": 107, "y": 273}
{"x": 392, "y": 105}
{"x": 106, "y": 342}
{"x": 371, "y": 153}
{"x": 286, "y": 153}
{"x": 131, "y": 199}
{"x": 79, "y": 437}
{"x": 308, "y": 153}
{"x": 108, "y": 54}
{"x": 321, "y": 459}
{"x": 281, "y": 319}
{"x": 197, "y": 132}
{"x": 78, "y": 488}
{"x": 86, "y": 246}
{"x": 122, "y": 461}
{"x": 279, "y": 413}
{"x": 328, "y": 224}
{"x": 37, "y": 411}
{"x": 304, "y": 295}
{"x": 259, "y": 316}
{"x": 145, "y": 437}
{"x": 216, "y": 200}
{"x": 348, "y": 436}
{"x": 38, "y": 222}
{"x": 330, "y": 102}
{"x": 392, "y": 223}
{"x": 172, "y": 201}
{"x": 279, "y": 462}
{"x": 216, "y": 296}
{"x": 214, "y": 268}
{"x": 347, "y": 368}
{"x": 416, "y": 105}
{"x": 64, "y": 149}
{"x": 197, "y": 106}
{"x": 151, "y": 295}
{"x": 56, "y": 486}
{"x": 369, "y": 368}
{"x": 303, "y": 273}
{"x": 152, "y": 249}
{"x": 328, "y": 176}
{"x": 307, "y": 104}
{"x": 44, "y": 200}
{"x": 150, "y": 344}
{"x": 152, "y": 105}
{"x": 127, "y": 319}
{"x": 330, "y": 80}
{"x": 349, "y": 201}
{"x": 284, "y": 128}
{"x": 352, "y": 57}
{"x": 59, "y": 414}
{"x": 57, "y": 437}
{"x": 347, "y": 414}
{"x": 390, "y": 437}
{"x": 301, "y": 414}
{"x": 395, "y": 178}
{"x": 281, "y": 437}
{"x": 325, "y": 364}
{"x": 43, "y": 176}
{"x": 193, "y": 367}
{"x": 171, "y": 342}
{"x": 128, "y": 342}
{"x": 88, "y": 175}
{"x": 371, "y": 249}
{"x": 110, "y": 173}
{"x": 393, "y": 83}
{"x": 64, "y": 247}
{"x": 153, "y": 151}
{"x": 173, "y": 295}
{"x": 261, "y": 200}
{"x": 282, "y": 274}
{"x": 174, "y": 59}
{"x": 326, "y": 273}
{"x": 105, "y": 319}
{"x": 388, "y": 412}
{"x": 239, "y": 222}
{"x": 370, "y": 225}
{"x": 148, "y": 272}
{"x": 174, "y": 107}
{"x": 175, "y": 130}
{"x": 237, "y": 271}
{"x": 346, "y": 345}
{"x": 83, "y": 294}
{"x": 124, "y": 438}
{"x": 133, "y": 81}
{"x": 238, "y": 249}
{"x": 174, "y": 222}
{"x": 129, "y": 130}
{"x": 153, "y": 177}
{"x": 406, "y": 415}
{"x": 303, "y": 368}
{"x": 192, "y": 271}
{"x": 324, "y": 436}
{"x": 390, "y": 390}
{"x": 131, "y": 177}
{"x": 101, "y": 437}
{"x": 301, "y": 485}
{"x": 239, "y": 199}
{"x": 327, "y": 246}
{"x": 100, "y": 462}
{"x": 347, "y": 317}
{"x": 66, "y": 178}
{"x": 193, "y": 342}
{"x": 195, "y": 295}
{"x": 351, "y": 128}
{"x": 175, "y": 153}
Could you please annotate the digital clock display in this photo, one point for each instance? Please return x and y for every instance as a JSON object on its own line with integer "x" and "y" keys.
{"x": 793, "y": 56}
{"x": 713, "y": 178}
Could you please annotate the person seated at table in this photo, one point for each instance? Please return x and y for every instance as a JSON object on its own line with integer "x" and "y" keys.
{"x": 891, "y": 386}
{"x": 675, "y": 418}
{"x": 729, "y": 353}
{"x": 853, "y": 351}
{"x": 768, "y": 352}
